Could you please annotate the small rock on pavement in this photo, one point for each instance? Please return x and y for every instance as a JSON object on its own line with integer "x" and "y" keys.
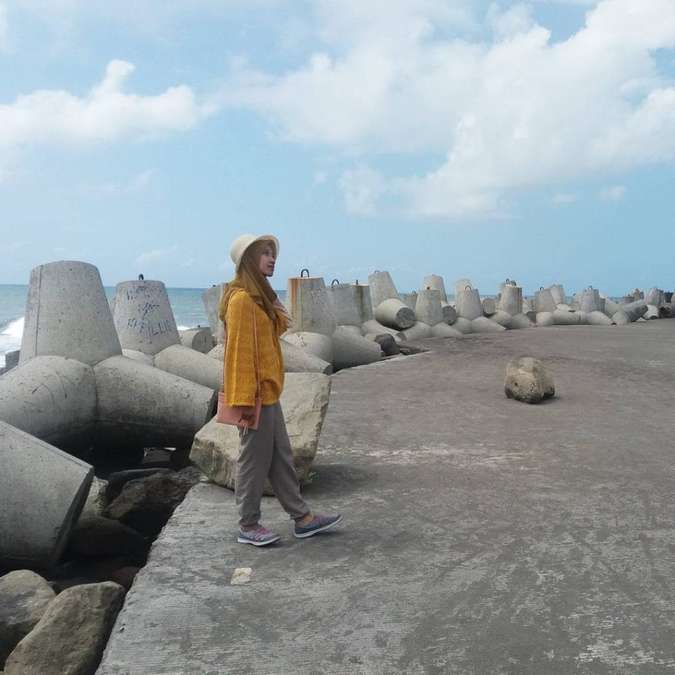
{"x": 70, "y": 637}
{"x": 24, "y": 597}
{"x": 528, "y": 380}
{"x": 98, "y": 536}
{"x": 147, "y": 504}
{"x": 241, "y": 575}
{"x": 304, "y": 402}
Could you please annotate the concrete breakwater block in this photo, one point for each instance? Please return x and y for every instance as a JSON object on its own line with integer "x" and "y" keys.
{"x": 527, "y": 380}
{"x": 635, "y": 310}
{"x": 598, "y": 318}
{"x": 566, "y": 318}
{"x": 199, "y": 339}
{"x": 461, "y": 285}
{"x": 145, "y": 323}
{"x": 502, "y": 318}
{"x": 544, "y": 302}
{"x": 652, "y": 312}
{"x": 558, "y": 293}
{"x": 143, "y": 317}
{"x": 67, "y": 314}
{"x": 211, "y": 299}
{"x": 192, "y": 365}
{"x": 489, "y": 306}
{"x": 42, "y": 492}
{"x": 135, "y": 355}
{"x": 381, "y": 287}
{"x": 395, "y": 314}
{"x": 409, "y": 299}
{"x": 428, "y": 308}
{"x": 296, "y": 359}
{"x": 620, "y": 318}
{"x": 351, "y": 303}
{"x": 52, "y": 398}
{"x": 304, "y": 402}
{"x": 72, "y": 633}
{"x": 545, "y": 319}
{"x": 511, "y": 300}
{"x": 318, "y": 344}
{"x": 309, "y": 305}
{"x": 351, "y": 350}
{"x": 442, "y": 330}
{"x": 468, "y": 304}
{"x": 463, "y": 325}
{"x": 418, "y": 331}
{"x": 376, "y": 328}
{"x": 146, "y": 405}
{"x": 519, "y": 321}
{"x": 449, "y": 313}
{"x": 484, "y": 325}
{"x": 435, "y": 282}
{"x": 590, "y": 301}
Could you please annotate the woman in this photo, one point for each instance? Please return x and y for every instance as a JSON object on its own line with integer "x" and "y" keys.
{"x": 266, "y": 452}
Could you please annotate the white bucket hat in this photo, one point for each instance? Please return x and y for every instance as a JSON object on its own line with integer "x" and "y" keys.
{"x": 240, "y": 244}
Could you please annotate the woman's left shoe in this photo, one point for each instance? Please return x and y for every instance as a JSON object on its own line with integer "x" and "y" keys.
{"x": 260, "y": 536}
{"x": 319, "y": 523}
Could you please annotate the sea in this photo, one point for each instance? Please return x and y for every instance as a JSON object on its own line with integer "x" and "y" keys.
{"x": 187, "y": 305}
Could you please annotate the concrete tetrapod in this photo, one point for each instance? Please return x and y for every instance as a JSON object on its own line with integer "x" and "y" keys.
{"x": 655, "y": 296}
{"x": 409, "y": 299}
{"x": 611, "y": 307}
{"x": 652, "y": 312}
{"x": 502, "y": 318}
{"x": 620, "y": 318}
{"x": 192, "y": 365}
{"x": 135, "y": 355}
{"x": 436, "y": 282}
{"x": 395, "y": 314}
{"x": 461, "y": 285}
{"x": 511, "y": 300}
{"x": 635, "y": 310}
{"x": 211, "y": 299}
{"x": 545, "y": 319}
{"x": 442, "y": 330}
{"x": 381, "y": 287}
{"x": 598, "y": 318}
{"x": 143, "y": 317}
{"x": 489, "y": 306}
{"x": 484, "y": 325}
{"x": 419, "y": 331}
{"x": 463, "y": 325}
{"x": 199, "y": 339}
{"x": 148, "y": 406}
{"x": 318, "y": 344}
{"x": 296, "y": 360}
{"x": 376, "y": 328}
{"x": 42, "y": 492}
{"x": 566, "y": 318}
{"x": 145, "y": 323}
{"x": 67, "y": 314}
{"x": 351, "y": 350}
{"x": 428, "y": 308}
{"x": 589, "y": 300}
{"x": 449, "y": 313}
{"x": 521, "y": 321}
{"x": 309, "y": 305}
{"x": 52, "y": 398}
{"x": 543, "y": 301}
{"x": 351, "y": 303}
{"x": 557, "y": 293}
{"x": 468, "y": 304}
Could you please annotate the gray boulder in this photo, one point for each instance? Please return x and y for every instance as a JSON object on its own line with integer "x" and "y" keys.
{"x": 147, "y": 504}
{"x": 96, "y": 500}
{"x": 24, "y": 597}
{"x": 528, "y": 380}
{"x": 304, "y": 402}
{"x": 97, "y": 536}
{"x": 70, "y": 637}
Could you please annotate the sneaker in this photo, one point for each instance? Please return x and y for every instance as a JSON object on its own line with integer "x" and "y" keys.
{"x": 319, "y": 523}
{"x": 260, "y": 536}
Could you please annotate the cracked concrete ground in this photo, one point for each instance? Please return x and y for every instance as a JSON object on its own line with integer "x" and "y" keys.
{"x": 481, "y": 535}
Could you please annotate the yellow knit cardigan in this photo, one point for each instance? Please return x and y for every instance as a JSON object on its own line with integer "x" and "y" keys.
{"x": 240, "y": 380}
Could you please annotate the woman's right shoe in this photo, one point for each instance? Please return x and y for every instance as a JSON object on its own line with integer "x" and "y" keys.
{"x": 259, "y": 536}
{"x": 319, "y": 523}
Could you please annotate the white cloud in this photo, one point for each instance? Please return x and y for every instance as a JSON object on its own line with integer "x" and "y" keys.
{"x": 4, "y": 29}
{"x": 564, "y": 198}
{"x": 613, "y": 194}
{"x": 106, "y": 113}
{"x": 506, "y": 114}
{"x": 362, "y": 188}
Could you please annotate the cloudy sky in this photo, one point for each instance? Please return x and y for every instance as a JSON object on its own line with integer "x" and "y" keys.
{"x": 530, "y": 140}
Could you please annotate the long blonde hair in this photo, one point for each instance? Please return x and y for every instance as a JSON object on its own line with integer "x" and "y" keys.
{"x": 253, "y": 281}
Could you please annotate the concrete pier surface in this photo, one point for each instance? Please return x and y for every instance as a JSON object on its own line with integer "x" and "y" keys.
{"x": 481, "y": 535}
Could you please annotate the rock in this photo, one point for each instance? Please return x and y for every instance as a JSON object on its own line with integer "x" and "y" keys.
{"x": 70, "y": 637}
{"x": 528, "y": 380}
{"x": 97, "y": 536}
{"x": 304, "y": 402}
{"x": 387, "y": 344}
{"x": 124, "y": 576}
{"x": 24, "y": 597}
{"x": 96, "y": 501}
{"x": 117, "y": 480}
{"x": 146, "y": 504}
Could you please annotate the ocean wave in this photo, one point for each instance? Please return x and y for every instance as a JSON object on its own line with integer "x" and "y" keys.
{"x": 10, "y": 338}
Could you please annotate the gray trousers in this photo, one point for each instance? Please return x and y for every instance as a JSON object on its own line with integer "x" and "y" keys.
{"x": 266, "y": 453}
